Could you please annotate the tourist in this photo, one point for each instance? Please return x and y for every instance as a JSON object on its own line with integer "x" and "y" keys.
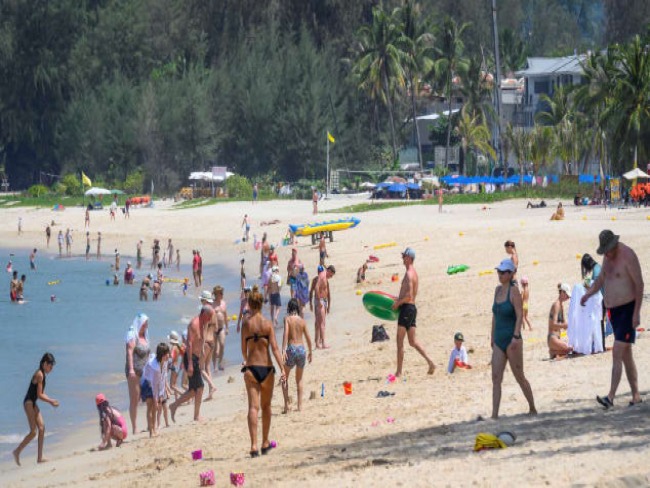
{"x": 13, "y": 286}
{"x": 301, "y": 292}
{"x": 144, "y": 288}
{"x": 99, "y": 245}
{"x": 170, "y": 252}
{"x": 246, "y": 225}
{"x": 557, "y": 322}
{"x": 191, "y": 362}
{"x": 322, "y": 301}
{"x": 206, "y": 298}
{"x": 137, "y": 355}
{"x": 314, "y": 200}
{"x": 221, "y": 314}
{"x": 322, "y": 250}
{"x": 458, "y": 357}
{"x": 68, "y": 242}
{"x": 32, "y": 259}
{"x": 244, "y": 310}
{"x": 361, "y": 273}
{"x": 590, "y": 270}
{"x": 259, "y": 374}
{"x": 112, "y": 425}
{"x": 36, "y": 391}
{"x": 152, "y": 386}
{"x": 60, "y": 242}
{"x": 138, "y": 255}
{"x": 87, "y": 246}
{"x": 406, "y": 323}
{"x": 506, "y": 341}
{"x": 175, "y": 361}
{"x": 293, "y": 350}
{"x": 274, "y": 287}
{"x": 87, "y": 219}
{"x": 195, "y": 267}
{"x": 525, "y": 297}
{"x": 129, "y": 274}
{"x": 622, "y": 282}
{"x": 48, "y": 234}
{"x": 559, "y": 212}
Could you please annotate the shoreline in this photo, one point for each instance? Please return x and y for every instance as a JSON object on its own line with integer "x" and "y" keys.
{"x": 430, "y": 439}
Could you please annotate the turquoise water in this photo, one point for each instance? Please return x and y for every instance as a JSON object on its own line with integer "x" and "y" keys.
{"x": 84, "y": 328}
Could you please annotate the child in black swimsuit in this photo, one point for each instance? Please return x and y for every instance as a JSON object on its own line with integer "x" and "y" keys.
{"x": 36, "y": 391}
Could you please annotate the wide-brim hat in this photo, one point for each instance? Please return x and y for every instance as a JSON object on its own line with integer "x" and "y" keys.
{"x": 174, "y": 338}
{"x": 608, "y": 241}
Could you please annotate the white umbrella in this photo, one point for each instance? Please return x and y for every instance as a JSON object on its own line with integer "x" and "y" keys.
{"x": 97, "y": 191}
{"x": 634, "y": 174}
{"x": 367, "y": 184}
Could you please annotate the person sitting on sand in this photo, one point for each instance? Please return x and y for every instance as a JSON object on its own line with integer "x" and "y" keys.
{"x": 559, "y": 213}
{"x": 361, "y": 273}
{"x": 257, "y": 336}
{"x": 458, "y": 357}
{"x": 112, "y": 425}
{"x": 293, "y": 349}
{"x": 557, "y": 322}
{"x": 36, "y": 391}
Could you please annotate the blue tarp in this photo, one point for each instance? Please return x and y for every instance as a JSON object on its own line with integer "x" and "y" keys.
{"x": 381, "y": 186}
{"x": 397, "y": 187}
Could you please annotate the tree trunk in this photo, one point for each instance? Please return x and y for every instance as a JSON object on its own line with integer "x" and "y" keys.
{"x": 417, "y": 128}
{"x": 389, "y": 105}
{"x": 448, "y": 125}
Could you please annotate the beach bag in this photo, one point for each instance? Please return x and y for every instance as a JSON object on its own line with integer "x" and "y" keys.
{"x": 379, "y": 334}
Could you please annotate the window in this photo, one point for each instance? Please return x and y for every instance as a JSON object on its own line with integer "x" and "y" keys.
{"x": 542, "y": 87}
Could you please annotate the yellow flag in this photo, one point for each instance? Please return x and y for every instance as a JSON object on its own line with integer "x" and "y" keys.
{"x": 330, "y": 137}
{"x": 85, "y": 180}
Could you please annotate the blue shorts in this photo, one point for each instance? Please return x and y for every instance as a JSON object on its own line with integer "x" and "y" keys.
{"x": 296, "y": 356}
{"x": 275, "y": 299}
{"x": 145, "y": 390}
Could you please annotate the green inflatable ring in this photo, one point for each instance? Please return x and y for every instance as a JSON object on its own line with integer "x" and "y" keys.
{"x": 380, "y": 305}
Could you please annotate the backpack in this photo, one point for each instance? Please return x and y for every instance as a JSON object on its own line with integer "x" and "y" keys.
{"x": 379, "y": 334}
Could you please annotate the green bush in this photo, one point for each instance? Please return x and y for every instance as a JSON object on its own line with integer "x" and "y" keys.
{"x": 59, "y": 188}
{"x": 239, "y": 187}
{"x": 134, "y": 182}
{"x": 72, "y": 184}
{"x": 37, "y": 191}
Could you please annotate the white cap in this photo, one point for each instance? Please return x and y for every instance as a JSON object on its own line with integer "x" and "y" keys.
{"x": 566, "y": 289}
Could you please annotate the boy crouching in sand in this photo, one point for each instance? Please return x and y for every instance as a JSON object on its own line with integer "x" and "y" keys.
{"x": 293, "y": 349}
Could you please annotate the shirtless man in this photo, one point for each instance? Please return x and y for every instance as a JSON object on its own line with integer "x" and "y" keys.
{"x": 87, "y": 246}
{"x": 138, "y": 254}
{"x": 191, "y": 361}
{"x": 60, "y": 242}
{"x": 322, "y": 301}
{"x": 170, "y": 252}
{"x": 322, "y": 250}
{"x": 408, "y": 313}
{"x": 292, "y": 269}
{"x": 68, "y": 242}
{"x": 13, "y": 287}
{"x": 314, "y": 199}
{"x": 264, "y": 253}
{"x": 623, "y": 294}
{"x": 293, "y": 350}
{"x": 99, "y": 245}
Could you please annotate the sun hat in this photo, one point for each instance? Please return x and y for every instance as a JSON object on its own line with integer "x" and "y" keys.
{"x": 506, "y": 265}
{"x": 99, "y": 399}
{"x": 275, "y": 268}
{"x": 608, "y": 241}
{"x": 174, "y": 338}
{"x": 409, "y": 252}
{"x": 566, "y": 289}
{"x": 206, "y": 296}
{"x": 459, "y": 336}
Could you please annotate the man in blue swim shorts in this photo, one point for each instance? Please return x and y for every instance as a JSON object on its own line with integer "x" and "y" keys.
{"x": 623, "y": 295}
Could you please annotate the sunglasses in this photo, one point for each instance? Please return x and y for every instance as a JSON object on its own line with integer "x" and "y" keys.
{"x": 499, "y": 272}
{"x": 509, "y": 245}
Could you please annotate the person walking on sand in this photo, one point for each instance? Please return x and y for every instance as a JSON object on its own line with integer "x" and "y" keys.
{"x": 506, "y": 341}
{"x": 623, "y": 295}
{"x": 170, "y": 252}
{"x": 87, "y": 246}
{"x": 293, "y": 350}
{"x": 36, "y": 391}
{"x": 192, "y": 360}
{"x": 208, "y": 345}
{"x": 408, "y": 313}
{"x": 48, "y": 234}
{"x": 99, "y": 245}
{"x": 137, "y": 355}
{"x": 525, "y": 297}
{"x": 195, "y": 268}
{"x": 112, "y": 425}
{"x": 246, "y": 225}
{"x": 138, "y": 254}
{"x": 314, "y": 199}
{"x": 322, "y": 250}
{"x": 152, "y": 386}
{"x": 257, "y": 336}
{"x": 440, "y": 199}
{"x": 68, "y": 242}
{"x": 87, "y": 219}
{"x": 322, "y": 301}
{"x": 255, "y": 193}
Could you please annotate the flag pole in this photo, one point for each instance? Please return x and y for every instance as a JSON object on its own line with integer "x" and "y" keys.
{"x": 327, "y": 176}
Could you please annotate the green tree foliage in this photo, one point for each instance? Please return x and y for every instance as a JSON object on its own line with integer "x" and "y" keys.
{"x": 239, "y": 187}
{"x": 37, "y": 191}
{"x": 72, "y": 184}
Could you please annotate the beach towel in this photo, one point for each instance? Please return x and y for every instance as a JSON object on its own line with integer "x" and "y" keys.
{"x": 584, "y": 322}
{"x": 302, "y": 288}
{"x": 488, "y": 441}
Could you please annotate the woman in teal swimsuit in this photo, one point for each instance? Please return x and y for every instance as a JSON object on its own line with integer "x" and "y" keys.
{"x": 507, "y": 346}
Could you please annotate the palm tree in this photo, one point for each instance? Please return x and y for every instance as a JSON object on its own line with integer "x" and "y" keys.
{"x": 513, "y": 51}
{"x": 541, "y": 146}
{"x": 450, "y": 61}
{"x": 519, "y": 141}
{"x": 566, "y": 143}
{"x": 417, "y": 46}
{"x": 629, "y": 111}
{"x": 476, "y": 87}
{"x": 560, "y": 106}
{"x": 474, "y": 136}
{"x": 379, "y": 65}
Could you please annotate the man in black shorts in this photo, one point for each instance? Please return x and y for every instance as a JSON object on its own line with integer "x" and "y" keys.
{"x": 408, "y": 312}
{"x": 194, "y": 348}
{"x": 623, "y": 294}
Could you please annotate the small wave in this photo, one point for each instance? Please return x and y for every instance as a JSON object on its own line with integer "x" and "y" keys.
{"x": 11, "y": 438}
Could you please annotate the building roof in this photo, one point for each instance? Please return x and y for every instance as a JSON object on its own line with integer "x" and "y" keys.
{"x": 547, "y": 66}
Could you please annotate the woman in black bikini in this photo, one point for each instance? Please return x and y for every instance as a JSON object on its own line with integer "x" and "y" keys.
{"x": 259, "y": 374}
{"x": 36, "y": 391}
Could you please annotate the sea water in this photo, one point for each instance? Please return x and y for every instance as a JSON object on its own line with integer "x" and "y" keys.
{"x": 70, "y": 311}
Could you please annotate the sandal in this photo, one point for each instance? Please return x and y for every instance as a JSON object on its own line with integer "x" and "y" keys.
{"x": 605, "y": 402}
{"x": 633, "y": 403}
{"x": 255, "y": 454}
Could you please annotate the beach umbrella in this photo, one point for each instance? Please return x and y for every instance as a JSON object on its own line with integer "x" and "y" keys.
{"x": 367, "y": 184}
{"x": 97, "y": 191}
{"x": 117, "y": 192}
{"x": 634, "y": 174}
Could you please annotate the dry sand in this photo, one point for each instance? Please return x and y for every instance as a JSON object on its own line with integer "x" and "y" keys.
{"x": 343, "y": 440}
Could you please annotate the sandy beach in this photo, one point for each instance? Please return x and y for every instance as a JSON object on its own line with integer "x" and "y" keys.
{"x": 424, "y": 434}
